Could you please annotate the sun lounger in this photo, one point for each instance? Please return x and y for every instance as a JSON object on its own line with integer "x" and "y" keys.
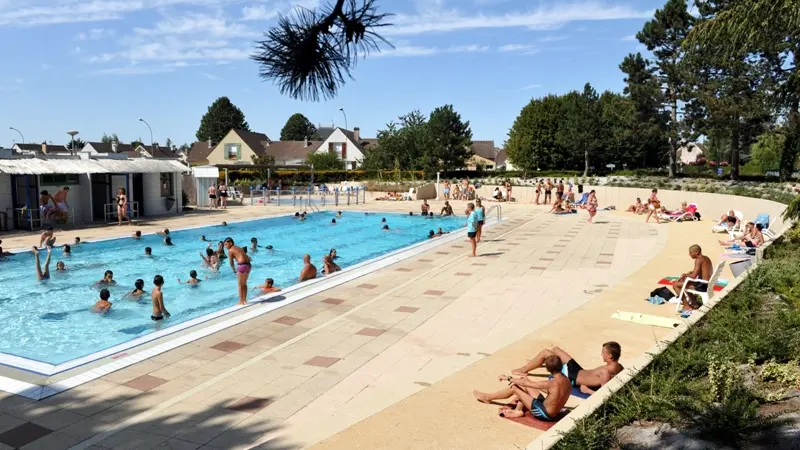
{"x": 705, "y": 296}
{"x": 678, "y": 216}
{"x": 720, "y": 285}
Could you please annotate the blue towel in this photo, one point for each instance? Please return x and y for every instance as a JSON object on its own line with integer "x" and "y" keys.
{"x": 656, "y": 300}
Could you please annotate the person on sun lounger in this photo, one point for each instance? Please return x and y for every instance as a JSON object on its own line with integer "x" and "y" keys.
{"x": 525, "y": 394}
{"x": 729, "y": 220}
{"x": 588, "y": 380}
{"x": 637, "y": 208}
{"x": 701, "y": 271}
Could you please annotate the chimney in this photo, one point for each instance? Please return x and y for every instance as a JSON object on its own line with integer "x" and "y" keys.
{"x": 305, "y": 142}
{"x": 114, "y": 146}
{"x": 209, "y": 143}
{"x": 357, "y": 134}
{"x": 44, "y": 147}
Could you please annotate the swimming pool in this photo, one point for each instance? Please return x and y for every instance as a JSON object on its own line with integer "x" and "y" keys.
{"x": 50, "y": 321}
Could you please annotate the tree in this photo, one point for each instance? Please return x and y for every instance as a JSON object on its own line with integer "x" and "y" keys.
{"x": 107, "y": 139}
{"x": 579, "y": 128}
{"x": 76, "y": 144}
{"x": 185, "y": 148}
{"x": 404, "y": 145}
{"x": 649, "y": 129}
{"x": 663, "y": 36}
{"x": 222, "y": 116}
{"x": 298, "y": 128}
{"x": 771, "y": 28}
{"x": 452, "y": 140}
{"x": 137, "y": 142}
{"x": 309, "y": 53}
{"x": 766, "y": 152}
{"x": 532, "y": 140}
{"x": 168, "y": 144}
{"x": 266, "y": 163}
{"x": 325, "y": 161}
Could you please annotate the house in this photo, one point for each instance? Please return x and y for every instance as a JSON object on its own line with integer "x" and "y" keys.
{"x": 32, "y": 149}
{"x": 349, "y": 145}
{"x": 291, "y": 153}
{"x": 238, "y": 147}
{"x": 140, "y": 151}
{"x": 153, "y": 185}
{"x": 690, "y": 153}
{"x": 501, "y": 161}
{"x": 483, "y": 154}
{"x": 198, "y": 154}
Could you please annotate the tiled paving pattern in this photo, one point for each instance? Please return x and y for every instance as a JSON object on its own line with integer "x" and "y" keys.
{"x": 298, "y": 375}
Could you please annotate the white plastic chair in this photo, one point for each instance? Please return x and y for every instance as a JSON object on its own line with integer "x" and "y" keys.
{"x": 710, "y": 284}
{"x": 409, "y": 195}
{"x": 767, "y": 232}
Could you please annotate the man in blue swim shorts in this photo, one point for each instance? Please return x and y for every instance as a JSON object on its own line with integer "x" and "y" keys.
{"x": 525, "y": 394}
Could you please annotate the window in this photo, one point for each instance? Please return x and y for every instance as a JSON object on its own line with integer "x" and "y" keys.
{"x": 336, "y": 147}
{"x": 232, "y": 151}
{"x": 60, "y": 180}
{"x": 167, "y": 181}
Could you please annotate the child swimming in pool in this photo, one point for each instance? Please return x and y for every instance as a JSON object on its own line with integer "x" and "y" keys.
{"x": 108, "y": 279}
{"x": 103, "y": 305}
{"x": 159, "y": 310}
{"x": 193, "y": 280}
{"x": 138, "y": 289}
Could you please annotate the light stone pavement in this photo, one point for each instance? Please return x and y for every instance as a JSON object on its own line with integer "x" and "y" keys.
{"x": 388, "y": 360}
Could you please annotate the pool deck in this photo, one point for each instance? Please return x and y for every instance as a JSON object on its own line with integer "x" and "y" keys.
{"x": 388, "y": 360}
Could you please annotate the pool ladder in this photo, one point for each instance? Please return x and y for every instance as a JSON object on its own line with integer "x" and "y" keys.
{"x": 499, "y": 210}
{"x": 312, "y": 206}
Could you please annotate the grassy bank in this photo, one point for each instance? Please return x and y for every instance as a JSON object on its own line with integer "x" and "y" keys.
{"x": 719, "y": 379}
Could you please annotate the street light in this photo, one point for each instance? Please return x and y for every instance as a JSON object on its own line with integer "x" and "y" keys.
{"x": 345, "y": 117}
{"x": 72, "y": 133}
{"x": 151, "y": 133}
{"x": 20, "y": 133}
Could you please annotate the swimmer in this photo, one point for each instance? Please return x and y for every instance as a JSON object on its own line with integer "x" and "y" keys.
{"x": 224, "y": 224}
{"x": 333, "y": 254}
{"x": 254, "y": 244}
{"x": 210, "y": 259}
{"x": 309, "y": 271}
{"x": 137, "y": 235}
{"x": 148, "y": 251}
{"x": 297, "y": 215}
{"x": 103, "y": 305}
{"x": 2, "y": 253}
{"x": 67, "y": 250}
{"x": 302, "y": 218}
{"x": 165, "y": 232}
{"x": 385, "y": 228}
{"x": 431, "y": 234}
{"x": 269, "y": 247}
{"x": 168, "y": 241}
{"x": 193, "y": 280}
{"x": 159, "y": 310}
{"x": 333, "y": 221}
{"x": 268, "y": 287}
{"x": 383, "y": 220}
{"x": 242, "y": 269}
{"x": 328, "y": 266}
{"x": 108, "y": 278}
{"x": 61, "y": 267}
{"x": 47, "y": 236}
{"x": 221, "y": 251}
{"x": 203, "y": 238}
{"x": 77, "y": 241}
{"x": 440, "y": 232}
{"x": 42, "y": 274}
{"x": 138, "y": 289}
{"x": 338, "y": 214}
{"x": 411, "y": 213}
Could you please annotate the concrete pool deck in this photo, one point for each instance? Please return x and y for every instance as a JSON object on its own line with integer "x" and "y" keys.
{"x": 385, "y": 361}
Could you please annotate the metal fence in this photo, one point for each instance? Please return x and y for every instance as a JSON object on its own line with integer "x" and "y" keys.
{"x": 307, "y": 198}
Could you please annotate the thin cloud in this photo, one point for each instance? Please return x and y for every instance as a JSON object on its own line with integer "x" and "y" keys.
{"x": 414, "y": 50}
{"x": 95, "y": 34}
{"x": 259, "y": 12}
{"x": 46, "y": 66}
{"x": 632, "y": 37}
{"x": 542, "y": 18}
{"x": 551, "y": 38}
{"x": 211, "y": 76}
{"x": 530, "y": 86}
{"x": 516, "y": 48}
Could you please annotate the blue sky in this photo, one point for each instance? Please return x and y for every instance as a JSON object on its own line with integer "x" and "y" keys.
{"x": 97, "y": 66}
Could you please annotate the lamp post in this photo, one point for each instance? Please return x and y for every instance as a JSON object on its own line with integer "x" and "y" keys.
{"x": 72, "y": 134}
{"x": 345, "y": 117}
{"x": 151, "y": 133}
{"x": 20, "y": 134}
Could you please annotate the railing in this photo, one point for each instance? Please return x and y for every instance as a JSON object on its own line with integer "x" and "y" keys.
{"x": 499, "y": 212}
{"x": 312, "y": 198}
{"x": 110, "y": 210}
{"x": 312, "y": 206}
{"x": 31, "y": 218}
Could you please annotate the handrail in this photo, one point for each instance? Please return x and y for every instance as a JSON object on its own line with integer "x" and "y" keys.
{"x": 499, "y": 212}
{"x": 312, "y": 206}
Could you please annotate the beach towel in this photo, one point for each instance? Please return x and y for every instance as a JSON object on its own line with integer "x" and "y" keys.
{"x": 529, "y": 421}
{"x": 762, "y": 219}
{"x": 667, "y": 281}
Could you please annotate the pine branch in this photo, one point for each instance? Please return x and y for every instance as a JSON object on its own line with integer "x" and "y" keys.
{"x": 309, "y": 55}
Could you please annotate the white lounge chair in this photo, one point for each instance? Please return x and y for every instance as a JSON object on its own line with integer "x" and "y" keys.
{"x": 710, "y": 284}
{"x": 686, "y": 215}
{"x": 767, "y": 232}
{"x": 409, "y": 195}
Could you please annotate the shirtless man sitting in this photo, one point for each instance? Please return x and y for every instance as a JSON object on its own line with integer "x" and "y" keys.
{"x": 60, "y": 199}
{"x": 588, "y": 380}
{"x": 47, "y": 237}
{"x": 530, "y": 395}
{"x": 702, "y": 270}
{"x": 447, "y": 210}
{"x": 425, "y": 207}
{"x": 309, "y": 271}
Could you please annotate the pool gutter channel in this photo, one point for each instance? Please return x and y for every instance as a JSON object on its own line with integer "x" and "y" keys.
{"x": 256, "y": 307}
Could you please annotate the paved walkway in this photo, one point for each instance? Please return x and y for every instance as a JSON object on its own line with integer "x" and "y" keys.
{"x": 386, "y": 361}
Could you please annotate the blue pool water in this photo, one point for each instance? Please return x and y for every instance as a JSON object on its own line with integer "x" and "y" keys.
{"x": 49, "y": 321}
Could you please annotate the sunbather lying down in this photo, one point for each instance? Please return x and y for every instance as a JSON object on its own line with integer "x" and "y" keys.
{"x": 390, "y": 196}
{"x": 588, "y": 380}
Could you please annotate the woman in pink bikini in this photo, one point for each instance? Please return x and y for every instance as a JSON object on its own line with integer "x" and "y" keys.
{"x": 591, "y": 205}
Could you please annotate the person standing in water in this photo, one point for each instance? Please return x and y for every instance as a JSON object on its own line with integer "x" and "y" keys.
{"x": 242, "y": 269}
{"x": 159, "y": 310}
